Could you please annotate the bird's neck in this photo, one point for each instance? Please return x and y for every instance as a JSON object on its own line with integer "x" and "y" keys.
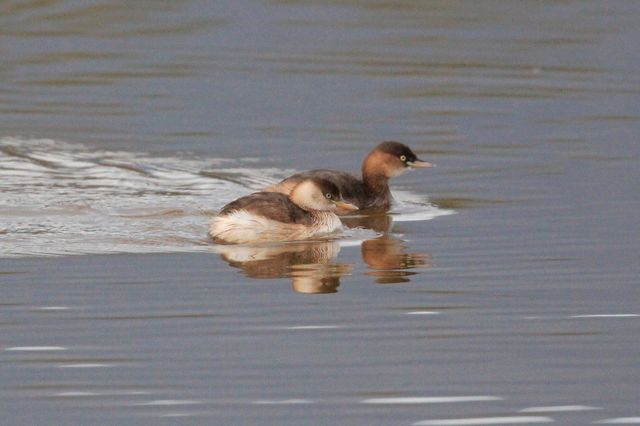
{"x": 375, "y": 183}
{"x": 326, "y": 221}
{"x": 374, "y": 178}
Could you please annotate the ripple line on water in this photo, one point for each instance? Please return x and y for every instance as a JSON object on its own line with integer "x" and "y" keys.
{"x": 558, "y": 409}
{"x": 35, "y": 348}
{"x": 507, "y": 420}
{"x": 432, "y": 400}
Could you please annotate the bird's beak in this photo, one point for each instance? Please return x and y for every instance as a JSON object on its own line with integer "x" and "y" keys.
{"x": 346, "y": 206}
{"x": 419, "y": 164}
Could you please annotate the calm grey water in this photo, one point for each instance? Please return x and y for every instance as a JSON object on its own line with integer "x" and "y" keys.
{"x": 504, "y": 287}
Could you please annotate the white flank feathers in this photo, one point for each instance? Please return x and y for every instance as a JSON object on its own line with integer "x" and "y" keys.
{"x": 241, "y": 226}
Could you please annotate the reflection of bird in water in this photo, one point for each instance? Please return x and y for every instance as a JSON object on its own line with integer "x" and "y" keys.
{"x": 318, "y": 278}
{"x": 377, "y": 221}
{"x": 385, "y": 161}
{"x": 310, "y": 267}
{"x": 387, "y": 256}
{"x": 307, "y": 264}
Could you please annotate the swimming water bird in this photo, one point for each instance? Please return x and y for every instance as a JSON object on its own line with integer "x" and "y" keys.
{"x": 270, "y": 216}
{"x": 385, "y": 161}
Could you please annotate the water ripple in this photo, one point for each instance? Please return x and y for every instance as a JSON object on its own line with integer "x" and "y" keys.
{"x": 59, "y": 198}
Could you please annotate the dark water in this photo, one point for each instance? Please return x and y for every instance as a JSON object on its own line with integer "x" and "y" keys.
{"x": 503, "y": 289}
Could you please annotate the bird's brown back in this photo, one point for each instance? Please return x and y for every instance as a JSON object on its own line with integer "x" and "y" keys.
{"x": 271, "y": 205}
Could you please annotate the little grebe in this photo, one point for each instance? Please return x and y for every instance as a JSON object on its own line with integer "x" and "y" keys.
{"x": 271, "y": 216}
{"x": 387, "y": 160}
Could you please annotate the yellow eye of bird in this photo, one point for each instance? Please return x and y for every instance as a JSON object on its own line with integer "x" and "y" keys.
{"x": 403, "y": 158}
{"x": 328, "y": 195}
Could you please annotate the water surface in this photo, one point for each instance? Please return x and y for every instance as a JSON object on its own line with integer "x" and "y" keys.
{"x": 124, "y": 127}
